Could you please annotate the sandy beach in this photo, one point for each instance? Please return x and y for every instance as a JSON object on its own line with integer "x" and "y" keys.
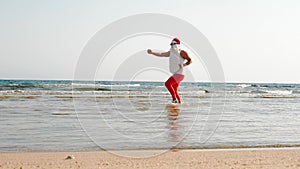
{"x": 280, "y": 158}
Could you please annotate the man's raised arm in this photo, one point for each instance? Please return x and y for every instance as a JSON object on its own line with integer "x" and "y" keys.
{"x": 163, "y": 54}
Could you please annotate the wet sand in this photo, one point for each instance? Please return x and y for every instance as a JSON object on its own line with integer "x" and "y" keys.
{"x": 280, "y": 158}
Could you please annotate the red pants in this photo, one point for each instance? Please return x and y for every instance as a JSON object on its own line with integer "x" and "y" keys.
{"x": 172, "y": 85}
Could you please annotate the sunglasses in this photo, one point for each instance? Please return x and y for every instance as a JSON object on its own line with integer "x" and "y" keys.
{"x": 173, "y": 43}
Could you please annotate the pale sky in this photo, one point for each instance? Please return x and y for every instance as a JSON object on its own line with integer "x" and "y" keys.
{"x": 256, "y": 40}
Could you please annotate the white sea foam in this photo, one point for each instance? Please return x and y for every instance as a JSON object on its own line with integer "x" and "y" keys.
{"x": 279, "y": 92}
{"x": 244, "y": 85}
{"x": 104, "y": 85}
{"x": 120, "y": 85}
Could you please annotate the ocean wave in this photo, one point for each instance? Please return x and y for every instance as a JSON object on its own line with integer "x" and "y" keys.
{"x": 20, "y": 86}
{"x": 275, "y": 96}
{"x": 271, "y": 85}
{"x": 18, "y": 96}
{"x": 121, "y": 85}
{"x": 279, "y": 92}
{"x": 103, "y": 92}
{"x": 104, "y": 85}
{"x": 273, "y": 92}
{"x": 91, "y": 89}
{"x": 31, "y": 86}
{"x": 263, "y": 94}
{"x": 62, "y": 113}
{"x": 244, "y": 85}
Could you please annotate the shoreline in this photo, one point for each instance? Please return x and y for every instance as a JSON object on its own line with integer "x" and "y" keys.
{"x": 288, "y": 157}
{"x": 188, "y": 149}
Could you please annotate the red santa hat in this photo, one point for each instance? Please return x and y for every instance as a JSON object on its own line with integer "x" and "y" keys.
{"x": 175, "y": 41}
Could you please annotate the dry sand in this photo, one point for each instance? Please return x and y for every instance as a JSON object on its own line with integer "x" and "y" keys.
{"x": 181, "y": 159}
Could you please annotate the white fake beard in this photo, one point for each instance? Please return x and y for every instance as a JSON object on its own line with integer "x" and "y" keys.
{"x": 176, "y": 47}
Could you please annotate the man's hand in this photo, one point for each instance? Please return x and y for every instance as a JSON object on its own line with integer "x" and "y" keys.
{"x": 149, "y": 51}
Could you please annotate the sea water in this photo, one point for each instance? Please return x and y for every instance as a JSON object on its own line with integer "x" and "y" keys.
{"x": 37, "y": 115}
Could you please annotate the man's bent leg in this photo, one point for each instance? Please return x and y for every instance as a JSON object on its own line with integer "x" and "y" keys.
{"x": 178, "y": 78}
{"x": 169, "y": 84}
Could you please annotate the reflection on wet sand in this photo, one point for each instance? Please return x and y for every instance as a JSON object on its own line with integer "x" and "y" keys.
{"x": 175, "y": 129}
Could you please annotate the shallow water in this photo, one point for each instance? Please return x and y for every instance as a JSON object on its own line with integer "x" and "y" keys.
{"x": 66, "y": 115}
